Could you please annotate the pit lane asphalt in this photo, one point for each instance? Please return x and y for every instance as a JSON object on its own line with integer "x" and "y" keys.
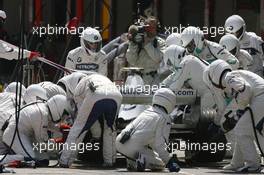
{"x": 84, "y": 169}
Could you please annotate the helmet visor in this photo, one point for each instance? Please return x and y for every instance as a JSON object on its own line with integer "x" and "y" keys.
{"x": 93, "y": 47}
{"x": 239, "y": 33}
{"x": 191, "y": 46}
{"x": 233, "y": 51}
{"x": 65, "y": 115}
{"x": 2, "y": 22}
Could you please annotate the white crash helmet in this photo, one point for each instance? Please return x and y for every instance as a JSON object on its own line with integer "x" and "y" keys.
{"x": 69, "y": 82}
{"x": 173, "y": 56}
{"x": 2, "y": 14}
{"x": 216, "y": 70}
{"x": 34, "y": 93}
{"x": 174, "y": 39}
{"x": 91, "y": 40}
{"x": 166, "y": 98}
{"x": 52, "y": 89}
{"x": 59, "y": 107}
{"x": 235, "y": 25}
{"x": 230, "y": 43}
{"x": 12, "y": 88}
{"x": 192, "y": 39}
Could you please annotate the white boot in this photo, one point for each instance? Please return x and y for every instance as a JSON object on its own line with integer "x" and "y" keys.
{"x": 231, "y": 167}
